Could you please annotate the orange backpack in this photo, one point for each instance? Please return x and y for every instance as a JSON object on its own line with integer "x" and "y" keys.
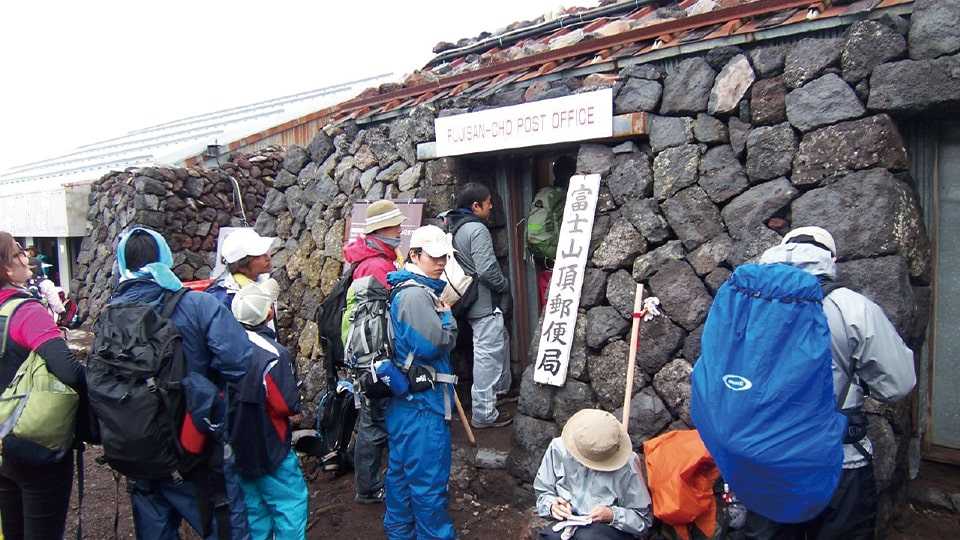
{"x": 682, "y": 476}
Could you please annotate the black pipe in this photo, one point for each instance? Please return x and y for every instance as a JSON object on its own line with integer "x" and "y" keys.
{"x": 573, "y": 20}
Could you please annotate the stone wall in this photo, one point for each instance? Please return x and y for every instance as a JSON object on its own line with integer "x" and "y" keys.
{"x": 745, "y": 144}
{"x": 312, "y": 197}
{"x": 187, "y": 205}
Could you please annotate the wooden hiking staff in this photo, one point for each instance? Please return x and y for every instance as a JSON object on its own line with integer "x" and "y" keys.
{"x": 463, "y": 417}
{"x": 638, "y": 314}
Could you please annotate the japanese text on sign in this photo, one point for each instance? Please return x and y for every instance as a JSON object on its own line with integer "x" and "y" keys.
{"x": 569, "y": 118}
{"x": 563, "y": 300}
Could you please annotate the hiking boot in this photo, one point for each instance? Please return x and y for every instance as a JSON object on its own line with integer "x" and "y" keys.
{"x": 374, "y": 498}
{"x": 504, "y": 419}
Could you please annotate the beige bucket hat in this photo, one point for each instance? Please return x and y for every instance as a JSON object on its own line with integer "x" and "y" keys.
{"x": 597, "y": 440}
{"x": 382, "y": 214}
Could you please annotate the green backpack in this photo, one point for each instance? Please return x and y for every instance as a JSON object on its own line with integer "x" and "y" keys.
{"x": 37, "y": 411}
{"x": 543, "y": 223}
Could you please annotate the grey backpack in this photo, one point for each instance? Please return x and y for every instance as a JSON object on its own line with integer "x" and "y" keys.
{"x": 369, "y": 337}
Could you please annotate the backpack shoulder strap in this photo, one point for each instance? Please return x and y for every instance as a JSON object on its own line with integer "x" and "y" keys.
{"x": 831, "y": 285}
{"x": 462, "y": 222}
{"x": 406, "y": 285}
{"x": 848, "y": 371}
{"x": 170, "y": 302}
{"x": 6, "y": 313}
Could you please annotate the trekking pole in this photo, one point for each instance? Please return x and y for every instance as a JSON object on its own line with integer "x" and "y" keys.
{"x": 463, "y": 417}
{"x": 638, "y": 314}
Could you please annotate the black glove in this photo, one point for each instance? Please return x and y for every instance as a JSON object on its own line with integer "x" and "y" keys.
{"x": 373, "y": 390}
{"x": 421, "y": 378}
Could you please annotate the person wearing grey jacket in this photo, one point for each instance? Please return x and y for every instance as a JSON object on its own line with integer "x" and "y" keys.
{"x": 868, "y": 357}
{"x": 491, "y": 353}
{"x": 591, "y": 482}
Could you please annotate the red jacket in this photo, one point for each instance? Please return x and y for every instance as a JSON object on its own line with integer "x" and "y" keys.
{"x": 370, "y": 257}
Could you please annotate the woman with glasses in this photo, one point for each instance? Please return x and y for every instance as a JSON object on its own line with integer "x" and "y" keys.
{"x": 35, "y": 481}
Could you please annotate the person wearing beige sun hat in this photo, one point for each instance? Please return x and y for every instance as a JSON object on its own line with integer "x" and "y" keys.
{"x": 375, "y": 254}
{"x": 590, "y": 477}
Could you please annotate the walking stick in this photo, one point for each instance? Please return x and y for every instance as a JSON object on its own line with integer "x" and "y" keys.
{"x": 638, "y": 314}
{"x": 463, "y": 417}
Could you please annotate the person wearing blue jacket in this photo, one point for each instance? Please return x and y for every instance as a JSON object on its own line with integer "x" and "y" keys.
{"x": 417, "y": 423}
{"x": 273, "y": 485}
{"x": 216, "y": 350}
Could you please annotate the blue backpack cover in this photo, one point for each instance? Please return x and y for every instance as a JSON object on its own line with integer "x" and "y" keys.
{"x": 762, "y": 392}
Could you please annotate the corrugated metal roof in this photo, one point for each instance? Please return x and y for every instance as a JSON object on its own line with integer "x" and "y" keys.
{"x": 174, "y": 141}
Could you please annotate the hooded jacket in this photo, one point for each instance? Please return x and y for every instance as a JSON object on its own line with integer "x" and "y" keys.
{"x": 860, "y": 335}
{"x": 370, "y": 257}
{"x": 265, "y": 399}
{"x": 476, "y": 255}
{"x": 422, "y": 330}
{"x": 215, "y": 346}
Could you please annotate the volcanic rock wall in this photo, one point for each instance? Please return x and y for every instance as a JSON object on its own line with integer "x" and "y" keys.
{"x": 187, "y": 205}
{"x": 311, "y": 200}
{"x": 744, "y": 145}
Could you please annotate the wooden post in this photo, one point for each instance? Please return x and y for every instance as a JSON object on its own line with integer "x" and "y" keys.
{"x": 463, "y": 417}
{"x": 632, "y": 360}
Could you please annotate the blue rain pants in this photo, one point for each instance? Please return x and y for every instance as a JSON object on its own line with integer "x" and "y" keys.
{"x": 160, "y": 505}
{"x": 277, "y": 502}
{"x": 417, "y": 474}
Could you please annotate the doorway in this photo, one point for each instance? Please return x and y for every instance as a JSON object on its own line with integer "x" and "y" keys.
{"x": 935, "y": 163}
{"x": 520, "y": 179}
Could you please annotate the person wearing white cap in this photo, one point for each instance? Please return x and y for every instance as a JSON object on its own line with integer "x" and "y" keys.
{"x": 274, "y": 489}
{"x": 417, "y": 423}
{"x": 591, "y": 472}
{"x": 868, "y": 357}
{"x": 375, "y": 254}
{"x": 247, "y": 256}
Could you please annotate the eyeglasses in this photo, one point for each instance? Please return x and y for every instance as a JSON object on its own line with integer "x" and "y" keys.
{"x": 22, "y": 254}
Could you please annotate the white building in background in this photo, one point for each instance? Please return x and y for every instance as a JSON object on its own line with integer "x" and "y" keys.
{"x": 44, "y": 203}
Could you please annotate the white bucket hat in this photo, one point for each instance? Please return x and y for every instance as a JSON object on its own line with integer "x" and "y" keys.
{"x": 245, "y": 243}
{"x": 252, "y": 303}
{"x": 816, "y": 236}
{"x": 432, "y": 240}
{"x": 597, "y": 440}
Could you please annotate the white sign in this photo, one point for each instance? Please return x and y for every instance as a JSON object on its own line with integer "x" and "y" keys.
{"x": 570, "y": 118}
{"x": 563, "y": 300}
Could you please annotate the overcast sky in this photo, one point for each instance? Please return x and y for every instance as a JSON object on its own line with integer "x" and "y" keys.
{"x": 76, "y": 72}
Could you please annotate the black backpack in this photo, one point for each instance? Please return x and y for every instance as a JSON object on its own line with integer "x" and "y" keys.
{"x": 329, "y": 318}
{"x": 336, "y": 419}
{"x": 134, "y": 378}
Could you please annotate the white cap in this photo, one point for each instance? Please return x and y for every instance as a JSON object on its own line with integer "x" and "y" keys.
{"x": 433, "y": 240}
{"x": 252, "y": 303}
{"x": 816, "y": 236}
{"x": 245, "y": 243}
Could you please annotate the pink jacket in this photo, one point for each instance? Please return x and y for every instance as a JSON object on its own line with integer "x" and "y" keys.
{"x": 370, "y": 257}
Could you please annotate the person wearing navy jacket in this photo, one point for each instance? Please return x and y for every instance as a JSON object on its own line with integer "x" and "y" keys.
{"x": 216, "y": 352}
{"x": 273, "y": 484}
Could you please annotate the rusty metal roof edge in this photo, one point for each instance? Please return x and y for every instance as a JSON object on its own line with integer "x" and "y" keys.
{"x": 740, "y": 11}
{"x": 595, "y": 68}
{"x": 680, "y": 50}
